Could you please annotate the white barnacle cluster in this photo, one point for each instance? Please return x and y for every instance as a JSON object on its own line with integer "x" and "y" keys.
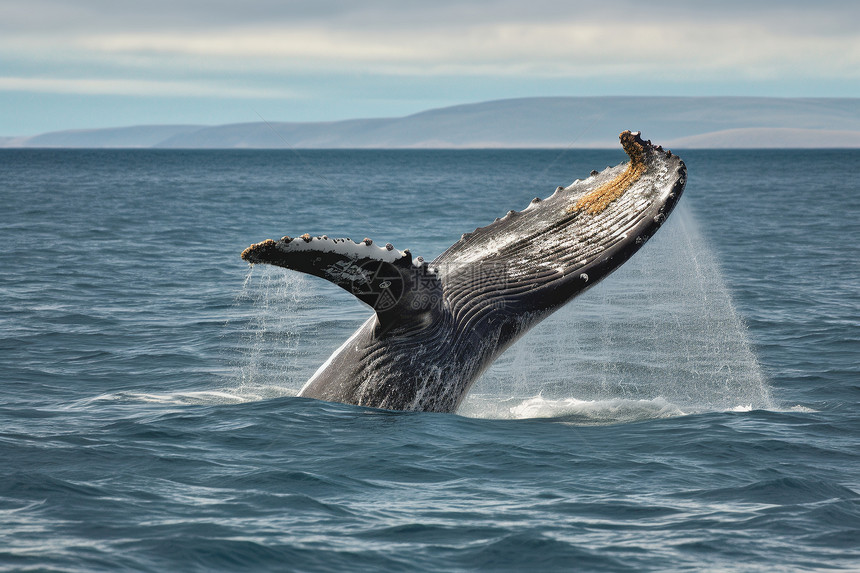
{"x": 346, "y": 247}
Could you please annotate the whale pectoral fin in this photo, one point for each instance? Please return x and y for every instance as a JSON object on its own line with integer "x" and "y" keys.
{"x": 386, "y": 279}
{"x": 534, "y": 260}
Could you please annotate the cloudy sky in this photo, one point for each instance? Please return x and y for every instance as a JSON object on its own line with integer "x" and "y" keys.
{"x": 67, "y": 64}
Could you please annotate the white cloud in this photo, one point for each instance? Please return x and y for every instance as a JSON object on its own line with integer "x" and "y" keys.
{"x": 324, "y": 59}
{"x": 508, "y": 48}
{"x": 134, "y": 87}
{"x": 196, "y": 48}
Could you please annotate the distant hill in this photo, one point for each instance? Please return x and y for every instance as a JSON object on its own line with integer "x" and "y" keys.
{"x": 137, "y": 136}
{"x": 552, "y": 122}
{"x": 770, "y": 138}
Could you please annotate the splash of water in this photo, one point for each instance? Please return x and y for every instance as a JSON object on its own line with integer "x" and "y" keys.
{"x": 271, "y": 349}
{"x": 661, "y": 337}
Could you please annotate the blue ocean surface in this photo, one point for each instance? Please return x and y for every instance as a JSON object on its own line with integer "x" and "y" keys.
{"x": 698, "y": 410}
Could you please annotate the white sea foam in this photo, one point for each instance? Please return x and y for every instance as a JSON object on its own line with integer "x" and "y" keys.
{"x": 597, "y": 410}
{"x": 191, "y": 397}
{"x": 586, "y": 412}
{"x": 801, "y": 409}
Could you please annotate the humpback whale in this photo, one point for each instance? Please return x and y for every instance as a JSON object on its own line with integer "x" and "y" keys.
{"x": 438, "y": 325}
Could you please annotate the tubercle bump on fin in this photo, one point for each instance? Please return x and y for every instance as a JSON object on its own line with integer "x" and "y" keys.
{"x": 596, "y": 201}
{"x": 260, "y": 252}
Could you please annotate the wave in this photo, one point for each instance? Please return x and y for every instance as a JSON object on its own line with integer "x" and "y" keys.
{"x": 240, "y": 395}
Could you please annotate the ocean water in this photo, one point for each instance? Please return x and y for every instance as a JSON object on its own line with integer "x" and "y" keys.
{"x": 698, "y": 410}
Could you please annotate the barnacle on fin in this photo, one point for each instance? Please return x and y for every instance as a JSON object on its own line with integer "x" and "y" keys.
{"x": 250, "y": 254}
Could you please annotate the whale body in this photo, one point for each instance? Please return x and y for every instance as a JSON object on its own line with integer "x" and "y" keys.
{"x": 438, "y": 325}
